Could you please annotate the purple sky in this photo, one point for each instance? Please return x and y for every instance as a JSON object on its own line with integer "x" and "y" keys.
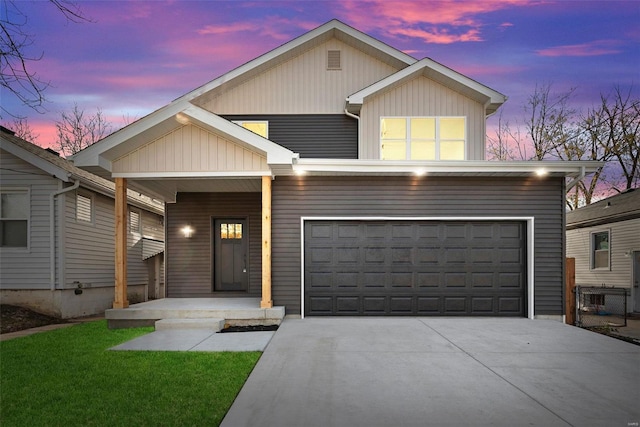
{"x": 137, "y": 56}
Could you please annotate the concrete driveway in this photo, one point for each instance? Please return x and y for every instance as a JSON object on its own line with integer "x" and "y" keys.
{"x": 440, "y": 371}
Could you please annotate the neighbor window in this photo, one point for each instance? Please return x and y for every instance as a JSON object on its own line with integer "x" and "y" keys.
{"x": 255, "y": 126}
{"x": 422, "y": 138}
{"x": 14, "y": 218}
{"x": 600, "y": 249}
{"x": 84, "y": 208}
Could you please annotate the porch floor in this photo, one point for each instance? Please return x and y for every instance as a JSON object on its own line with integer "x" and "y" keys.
{"x": 235, "y": 311}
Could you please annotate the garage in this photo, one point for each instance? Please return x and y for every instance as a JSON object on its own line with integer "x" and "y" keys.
{"x": 415, "y": 268}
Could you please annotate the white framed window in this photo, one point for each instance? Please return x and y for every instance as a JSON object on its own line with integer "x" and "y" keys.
{"x": 261, "y": 127}
{"x": 601, "y": 250}
{"x": 84, "y": 207}
{"x": 14, "y": 218}
{"x": 135, "y": 223}
{"x": 423, "y": 138}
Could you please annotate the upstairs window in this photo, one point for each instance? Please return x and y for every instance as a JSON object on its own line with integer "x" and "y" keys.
{"x": 14, "y": 218}
{"x": 255, "y": 126}
{"x": 422, "y": 138}
{"x": 600, "y": 250}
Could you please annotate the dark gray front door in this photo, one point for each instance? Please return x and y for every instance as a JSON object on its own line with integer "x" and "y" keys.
{"x": 230, "y": 255}
{"x": 415, "y": 268}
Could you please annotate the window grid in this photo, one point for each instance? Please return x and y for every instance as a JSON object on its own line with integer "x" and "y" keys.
{"x": 409, "y": 139}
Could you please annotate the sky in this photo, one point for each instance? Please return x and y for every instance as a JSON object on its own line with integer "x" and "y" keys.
{"x": 134, "y": 57}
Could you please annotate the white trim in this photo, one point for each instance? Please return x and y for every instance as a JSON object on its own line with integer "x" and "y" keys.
{"x": 35, "y": 160}
{"x": 530, "y": 245}
{"x": 227, "y": 174}
{"x": 462, "y": 167}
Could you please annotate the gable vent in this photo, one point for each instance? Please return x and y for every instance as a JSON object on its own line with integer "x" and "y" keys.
{"x": 333, "y": 60}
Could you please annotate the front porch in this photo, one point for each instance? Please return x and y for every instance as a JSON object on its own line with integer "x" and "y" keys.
{"x": 195, "y": 312}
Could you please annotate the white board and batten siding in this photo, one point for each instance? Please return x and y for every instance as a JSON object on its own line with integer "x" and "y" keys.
{"x": 421, "y": 97}
{"x": 303, "y": 85}
{"x": 89, "y": 246}
{"x": 624, "y": 237}
{"x": 28, "y": 268}
{"x": 191, "y": 149}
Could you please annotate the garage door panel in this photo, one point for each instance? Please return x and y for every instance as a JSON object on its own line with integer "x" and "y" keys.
{"x": 418, "y": 267}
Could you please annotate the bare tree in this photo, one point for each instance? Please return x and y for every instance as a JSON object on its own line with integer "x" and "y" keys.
{"x": 15, "y": 75}
{"x": 76, "y": 130}
{"x": 548, "y": 120}
{"x": 619, "y": 118}
{"x": 20, "y": 127}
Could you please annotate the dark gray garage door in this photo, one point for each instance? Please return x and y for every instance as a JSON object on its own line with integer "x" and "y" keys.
{"x": 414, "y": 268}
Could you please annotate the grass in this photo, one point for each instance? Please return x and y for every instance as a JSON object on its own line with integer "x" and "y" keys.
{"x": 67, "y": 377}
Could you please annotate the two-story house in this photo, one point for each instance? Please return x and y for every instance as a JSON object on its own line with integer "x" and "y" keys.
{"x": 336, "y": 175}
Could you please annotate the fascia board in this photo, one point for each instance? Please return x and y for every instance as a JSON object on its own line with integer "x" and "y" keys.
{"x": 433, "y": 70}
{"x": 333, "y": 25}
{"x": 275, "y": 153}
{"x": 571, "y": 168}
{"x": 111, "y": 147}
{"x": 35, "y": 160}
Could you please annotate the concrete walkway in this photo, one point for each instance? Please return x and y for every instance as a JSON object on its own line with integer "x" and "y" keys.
{"x": 437, "y": 371}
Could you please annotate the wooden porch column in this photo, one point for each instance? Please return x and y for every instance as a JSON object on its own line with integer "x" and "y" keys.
{"x": 120, "y": 300}
{"x": 266, "y": 243}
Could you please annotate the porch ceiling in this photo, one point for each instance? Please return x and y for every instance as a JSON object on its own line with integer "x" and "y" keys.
{"x": 166, "y": 189}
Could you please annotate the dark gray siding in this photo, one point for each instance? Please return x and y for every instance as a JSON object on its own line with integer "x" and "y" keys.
{"x": 406, "y": 196}
{"x": 324, "y": 136}
{"x": 189, "y": 269}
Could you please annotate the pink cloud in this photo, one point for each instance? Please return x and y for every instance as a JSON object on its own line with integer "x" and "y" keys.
{"x": 594, "y": 48}
{"x": 447, "y": 21}
{"x": 439, "y": 36}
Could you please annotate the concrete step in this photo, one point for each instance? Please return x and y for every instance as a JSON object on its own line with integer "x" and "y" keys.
{"x": 211, "y": 324}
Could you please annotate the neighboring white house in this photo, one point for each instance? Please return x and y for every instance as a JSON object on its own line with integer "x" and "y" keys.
{"x": 604, "y": 238}
{"x": 57, "y": 235}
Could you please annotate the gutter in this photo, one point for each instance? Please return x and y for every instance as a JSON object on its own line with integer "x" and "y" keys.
{"x": 359, "y": 133}
{"x": 577, "y": 179}
{"x": 52, "y": 232}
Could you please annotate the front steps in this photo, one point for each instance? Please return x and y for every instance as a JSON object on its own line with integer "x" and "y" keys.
{"x": 232, "y": 311}
{"x": 213, "y": 325}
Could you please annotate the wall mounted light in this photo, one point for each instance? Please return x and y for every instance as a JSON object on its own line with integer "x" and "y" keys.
{"x": 541, "y": 172}
{"x": 187, "y": 231}
{"x": 420, "y": 172}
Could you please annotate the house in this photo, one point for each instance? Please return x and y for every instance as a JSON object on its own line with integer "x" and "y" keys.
{"x": 336, "y": 175}
{"x": 604, "y": 239}
{"x": 57, "y": 235}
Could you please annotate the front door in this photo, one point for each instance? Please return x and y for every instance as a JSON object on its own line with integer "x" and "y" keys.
{"x": 636, "y": 280}
{"x": 230, "y": 255}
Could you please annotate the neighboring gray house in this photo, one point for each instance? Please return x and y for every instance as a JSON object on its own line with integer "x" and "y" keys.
{"x": 604, "y": 238}
{"x": 336, "y": 175}
{"x": 57, "y": 235}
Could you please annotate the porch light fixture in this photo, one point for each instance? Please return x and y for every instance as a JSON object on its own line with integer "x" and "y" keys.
{"x": 182, "y": 118}
{"x": 541, "y": 172}
{"x": 187, "y": 231}
{"x": 300, "y": 172}
{"x": 420, "y": 172}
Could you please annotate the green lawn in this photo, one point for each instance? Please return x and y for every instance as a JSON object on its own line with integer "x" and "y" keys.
{"x": 67, "y": 377}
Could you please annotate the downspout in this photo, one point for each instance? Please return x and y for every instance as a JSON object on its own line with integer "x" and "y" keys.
{"x": 359, "y": 133}
{"x": 577, "y": 179}
{"x": 52, "y": 231}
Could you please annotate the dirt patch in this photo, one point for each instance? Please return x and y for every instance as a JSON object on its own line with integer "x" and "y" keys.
{"x": 254, "y": 328}
{"x": 13, "y": 319}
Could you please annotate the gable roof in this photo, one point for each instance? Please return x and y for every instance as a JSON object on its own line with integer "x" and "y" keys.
{"x": 66, "y": 171}
{"x": 315, "y": 37}
{"x": 435, "y": 71}
{"x": 621, "y": 207}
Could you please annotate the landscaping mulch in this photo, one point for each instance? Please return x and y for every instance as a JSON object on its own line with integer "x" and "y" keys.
{"x": 14, "y": 319}
{"x": 254, "y": 328}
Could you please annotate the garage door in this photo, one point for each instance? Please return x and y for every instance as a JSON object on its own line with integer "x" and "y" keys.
{"x": 356, "y": 268}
